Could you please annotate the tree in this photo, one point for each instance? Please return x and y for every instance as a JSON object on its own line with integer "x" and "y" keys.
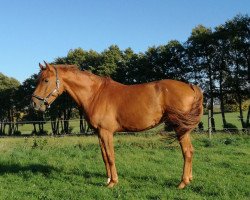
{"x": 8, "y": 111}
{"x": 110, "y": 59}
{"x": 23, "y": 95}
{"x": 61, "y": 109}
{"x": 239, "y": 51}
{"x": 220, "y": 60}
{"x": 173, "y": 61}
{"x": 200, "y": 45}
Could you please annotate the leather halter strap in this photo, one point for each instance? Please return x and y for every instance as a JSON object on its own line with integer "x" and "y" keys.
{"x": 45, "y": 100}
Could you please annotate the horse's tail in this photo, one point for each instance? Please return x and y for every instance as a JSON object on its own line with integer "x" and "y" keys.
{"x": 184, "y": 122}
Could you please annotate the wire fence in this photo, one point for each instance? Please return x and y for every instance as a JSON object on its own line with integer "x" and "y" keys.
{"x": 38, "y": 121}
{"x": 45, "y": 127}
{"x": 80, "y": 126}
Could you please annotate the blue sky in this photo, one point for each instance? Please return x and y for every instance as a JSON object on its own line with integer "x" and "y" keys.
{"x": 35, "y": 30}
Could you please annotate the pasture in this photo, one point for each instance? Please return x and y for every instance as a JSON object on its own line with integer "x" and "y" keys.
{"x": 149, "y": 167}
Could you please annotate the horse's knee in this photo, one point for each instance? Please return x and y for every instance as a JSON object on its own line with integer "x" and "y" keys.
{"x": 188, "y": 155}
{"x": 111, "y": 163}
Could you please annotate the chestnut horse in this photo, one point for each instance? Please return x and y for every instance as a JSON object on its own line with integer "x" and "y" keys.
{"x": 112, "y": 107}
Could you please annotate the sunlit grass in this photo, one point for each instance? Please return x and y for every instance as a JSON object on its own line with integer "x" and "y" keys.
{"x": 149, "y": 167}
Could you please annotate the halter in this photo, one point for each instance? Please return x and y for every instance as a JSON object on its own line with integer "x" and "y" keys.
{"x": 45, "y": 100}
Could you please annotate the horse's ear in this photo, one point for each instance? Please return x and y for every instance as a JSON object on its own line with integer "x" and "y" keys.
{"x": 41, "y": 66}
{"x": 48, "y": 66}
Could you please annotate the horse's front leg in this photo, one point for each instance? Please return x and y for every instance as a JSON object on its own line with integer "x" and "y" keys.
{"x": 105, "y": 159}
{"x": 106, "y": 138}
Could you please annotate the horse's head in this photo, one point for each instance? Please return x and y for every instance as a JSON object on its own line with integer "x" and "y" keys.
{"x": 48, "y": 87}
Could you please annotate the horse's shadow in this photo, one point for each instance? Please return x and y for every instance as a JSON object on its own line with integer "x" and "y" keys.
{"x": 88, "y": 177}
{"x": 46, "y": 170}
{"x": 34, "y": 168}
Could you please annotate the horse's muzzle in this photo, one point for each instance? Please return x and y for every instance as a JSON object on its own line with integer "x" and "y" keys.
{"x": 38, "y": 105}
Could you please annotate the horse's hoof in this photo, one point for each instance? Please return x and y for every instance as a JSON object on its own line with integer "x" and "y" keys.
{"x": 112, "y": 184}
{"x": 182, "y": 185}
{"x": 108, "y": 181}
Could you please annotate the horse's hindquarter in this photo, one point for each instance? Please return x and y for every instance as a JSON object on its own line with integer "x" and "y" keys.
{"x": 177, "y": 94}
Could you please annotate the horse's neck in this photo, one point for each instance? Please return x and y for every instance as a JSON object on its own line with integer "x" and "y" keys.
{"x": 82, "y": 87}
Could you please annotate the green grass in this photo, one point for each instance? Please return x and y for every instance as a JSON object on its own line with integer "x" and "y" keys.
{"x": 149, "y": 167}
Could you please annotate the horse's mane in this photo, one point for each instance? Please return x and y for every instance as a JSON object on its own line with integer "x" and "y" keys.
{"x": 68, "y": 67}
{"x": 78, "y": 71}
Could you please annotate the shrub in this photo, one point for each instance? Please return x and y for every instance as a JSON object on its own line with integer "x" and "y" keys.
{"x": 39, "y": 143}
{"x": 230, "y": 128}
{"x": 207, "y": 142}
{"x": 17, "y": 133}
{"x": 201, "y": 126}
{"x": 234, "y": 107}
{"x": 245, "y": 105}
{"x": 231, "y": 107}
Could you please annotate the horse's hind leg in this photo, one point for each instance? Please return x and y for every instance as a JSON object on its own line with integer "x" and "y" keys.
{"x": 187, "y": 152}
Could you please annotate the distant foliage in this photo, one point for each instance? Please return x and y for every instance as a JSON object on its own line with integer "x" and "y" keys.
{"x": 234, "y": 107}
{"x": 217, "y": 59}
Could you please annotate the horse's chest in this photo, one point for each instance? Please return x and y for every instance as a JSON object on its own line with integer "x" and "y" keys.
{"x": 102, "y": 116}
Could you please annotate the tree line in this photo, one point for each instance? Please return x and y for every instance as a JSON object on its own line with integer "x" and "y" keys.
{"x": 216, "y": 59}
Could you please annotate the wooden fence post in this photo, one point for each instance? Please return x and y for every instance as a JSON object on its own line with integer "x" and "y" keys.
{"x": 209, "y": 124}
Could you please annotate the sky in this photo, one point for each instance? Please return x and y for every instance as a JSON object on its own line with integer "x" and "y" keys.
{"x": 35, "y": 30}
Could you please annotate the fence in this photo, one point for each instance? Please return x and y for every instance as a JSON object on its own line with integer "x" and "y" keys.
{"x": 80, "y": 126}
{"x": 56, "y": 127}
{"x": 232, "y": 123}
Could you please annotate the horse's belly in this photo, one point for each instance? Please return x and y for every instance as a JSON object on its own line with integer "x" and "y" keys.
{"x": 139, "y": 121}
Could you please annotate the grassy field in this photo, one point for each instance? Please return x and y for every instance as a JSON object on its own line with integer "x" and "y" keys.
{"x": 149, "y": 167}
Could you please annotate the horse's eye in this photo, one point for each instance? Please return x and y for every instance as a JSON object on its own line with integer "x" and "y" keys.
{"x": 46, "y": 80}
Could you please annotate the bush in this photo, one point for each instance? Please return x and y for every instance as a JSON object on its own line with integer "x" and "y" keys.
{"x": 235, "y": 106}
{"x": 201, "y": 126}
{"x": 70, "y": 129}
{"x": 245, "y": 105}
{"x": 17, "y": 133}
{"x": 228, "y": 141}
{"x": 39, "y": 143}
{"x": 231, "y": 107}
{"x": 207, "y": 142}
{"x": 230, "y": 128}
